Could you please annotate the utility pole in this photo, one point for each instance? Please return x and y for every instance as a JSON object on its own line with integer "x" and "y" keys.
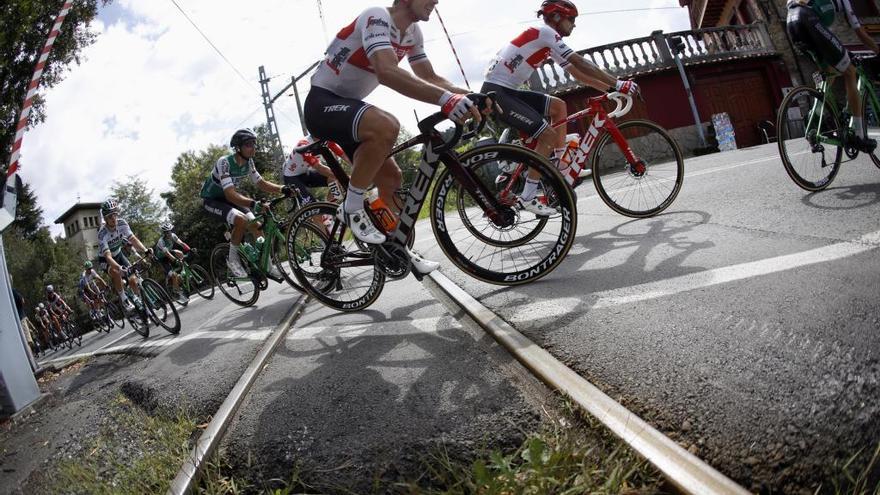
{"x": 676, "y": 46}
{"x": 269, "y": 100}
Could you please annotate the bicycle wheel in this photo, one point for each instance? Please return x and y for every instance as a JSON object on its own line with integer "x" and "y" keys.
{"x": 74, "y": 333}
{"x": 182, "y": 301}
{"x": 809, "y": 138}
{"x": 279, "y": 259}
{"x": 330, "y": 265}
{"x": 160, "y": 306}
{"x": 518, "y": 247}
{"x": 648, "y": 185}
{"x": 115, "y": 314}
{"x": 243, "y": 291}
{"x": 871, "y": 122}
{"x": 200, "y": 281}
{"x": 138, "y": 323}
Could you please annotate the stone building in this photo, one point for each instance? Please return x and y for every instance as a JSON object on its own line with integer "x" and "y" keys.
{"x": 81, "y": 223}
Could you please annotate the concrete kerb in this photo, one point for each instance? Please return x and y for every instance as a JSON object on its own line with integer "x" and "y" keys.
{"x": 683, "y": 469}
{"x": 210, "y": 438}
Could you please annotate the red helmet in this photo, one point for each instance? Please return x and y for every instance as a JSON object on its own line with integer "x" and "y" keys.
{"x": 563, "y": 7}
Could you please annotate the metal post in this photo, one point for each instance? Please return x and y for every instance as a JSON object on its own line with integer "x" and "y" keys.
{"x": 299, "y": 109}
{"x": 18, "y": 387}
{"x": 271, "y": 123}
{"x": 690, "y": 94}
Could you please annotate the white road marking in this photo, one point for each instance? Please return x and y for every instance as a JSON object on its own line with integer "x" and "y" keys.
{"x": 375, "y": 329}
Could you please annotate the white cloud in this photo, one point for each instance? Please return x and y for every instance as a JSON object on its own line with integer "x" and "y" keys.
{"x": 151, "y": 88}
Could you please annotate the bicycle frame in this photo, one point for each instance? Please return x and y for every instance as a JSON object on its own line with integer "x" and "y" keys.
{"x": 271, "y": 232}
{"x": 865, "y": 87}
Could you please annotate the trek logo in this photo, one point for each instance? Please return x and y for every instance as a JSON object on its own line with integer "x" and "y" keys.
{"x": 417, "y": 194}
{"x": 520, "y": 117}
{"x": 590, "y": 139}
{"x": 513, "y": 64}
{"x": 336, "y": 108}
{"x": 337, "y": 60}
{"x": 375, "y": 21}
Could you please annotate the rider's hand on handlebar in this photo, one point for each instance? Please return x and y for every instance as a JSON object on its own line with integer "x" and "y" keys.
{"x": 627, "y": 87}
{"x": 287, "y": 191}
{"x": 459, "y": 107}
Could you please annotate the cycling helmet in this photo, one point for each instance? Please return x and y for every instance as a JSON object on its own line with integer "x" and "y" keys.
{"x": 166, "y": 227}
{"x": 87, "y": 265}
{"x": 242, "y": 136}
{"x": 562, "y": 7}
{"x": 40, "y": 306}
{"x": 109, "y": 206}
{"x": 50, "y": 289}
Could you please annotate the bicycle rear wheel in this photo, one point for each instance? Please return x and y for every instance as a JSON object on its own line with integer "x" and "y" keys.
{"x": 115, "y": 314}
{"x": 518, "y": 246}
{"x": 243, "y": 291}
{"x": 160, "y": 307}
{"x": 200, "y": 281}
{"x": 871, "y": 122}
{"x": 647, "y": 186}
{"x": 809, "y": 138}
{"x": 328, "y": 263}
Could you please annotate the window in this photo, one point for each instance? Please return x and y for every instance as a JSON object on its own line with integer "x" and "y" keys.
{"x": 87, "y": 221}
{"x": 77, "y": 225}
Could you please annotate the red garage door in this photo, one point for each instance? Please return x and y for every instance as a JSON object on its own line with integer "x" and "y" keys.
{"x": 745, "y": 97}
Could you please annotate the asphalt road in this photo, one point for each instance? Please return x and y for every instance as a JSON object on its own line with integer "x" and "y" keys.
{"x": 743, "y": 321}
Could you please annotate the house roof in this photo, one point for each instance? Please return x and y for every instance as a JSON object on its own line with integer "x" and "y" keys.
{"x": 75, "y": 208}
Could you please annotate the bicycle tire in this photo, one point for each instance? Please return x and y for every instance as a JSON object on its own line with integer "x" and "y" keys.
{"x": 138, "y": 324}
{"x": 876, "y": 128}
{"x": 316, "y": 257}
{"x": 792, "y": 141}
{"x": 115, "y": 313}
{"x": 204, "y": 284}
{"x": 75, "y": 334}
{"x": 244, "y": 291}
{"x": 504, "y": 263}
{"x": 155, "y": 298}
{"x": 279, "y": 264}
{"x": 653, "y": 182}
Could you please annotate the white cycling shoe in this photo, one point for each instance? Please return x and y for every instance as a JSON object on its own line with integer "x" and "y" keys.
{"x": 361, "y": 225}
{"x": 275, "y": 273}
{"x": 420, "y": 264}
{"x": 536, "y": 207}
{"x": 235, "y": 268}
{"x": 585, "y": 172}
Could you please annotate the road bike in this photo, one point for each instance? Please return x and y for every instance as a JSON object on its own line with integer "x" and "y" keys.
{"x": 152, "y": 303}
{"x": 193, "y": 280}
{"x": 478, "y": 225}
{"x": 637, "y": 167}
{"x": 815, "y": 129}
{"x": 256, "y": 258}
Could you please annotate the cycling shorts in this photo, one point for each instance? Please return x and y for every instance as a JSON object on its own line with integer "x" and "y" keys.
{"x": 809, "y": 35}
{"x": 304, "y": 181}
{"x": 525, "y": 111}
{"x": 334, "y": 118}
{"x": 166, "y": 265}
{"x": 225, "y": 210}
{"x": 119, "y": 258}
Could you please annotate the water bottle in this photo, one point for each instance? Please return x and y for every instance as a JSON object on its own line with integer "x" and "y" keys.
{"x": 260, "y": 243}
{"x": 383, "y": 215}
{"x": 249, "y": 251}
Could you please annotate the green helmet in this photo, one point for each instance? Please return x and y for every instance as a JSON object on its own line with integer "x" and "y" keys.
{"x": 109, "y": 206}
{"x": 87, "y": 265}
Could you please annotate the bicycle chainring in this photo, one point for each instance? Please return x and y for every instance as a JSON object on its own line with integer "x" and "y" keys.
{"x": 392, "y": 260}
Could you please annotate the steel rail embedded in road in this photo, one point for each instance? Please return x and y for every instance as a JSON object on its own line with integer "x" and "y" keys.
{"x": 209, "y": 439}
{"x": 683, "y": 469}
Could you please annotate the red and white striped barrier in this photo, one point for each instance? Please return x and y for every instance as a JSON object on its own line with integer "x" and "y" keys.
{"x": 448, "y": 38}
{"x": 10, "y": 195}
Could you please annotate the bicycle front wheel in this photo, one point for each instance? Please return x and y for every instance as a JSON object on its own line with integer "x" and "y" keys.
{"x": 511, "y": 246}
{"x": 645, "y": 183}
{"x": 329, "y": 263}
{"x": 160, "y": 307}
{"x": 200, "y": 281}
{"x": 243, "y": 291}
{"x": 809, "y": 138}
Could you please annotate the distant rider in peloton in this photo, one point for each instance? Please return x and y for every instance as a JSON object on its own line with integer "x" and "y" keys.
{"x": 364, "y": 55}
{"x": 807, "y": 24}
{"x": 222, "y": 200}
{"x": 111, "y": 237}
{"x": 166, "y": 249}
{"x": 305, "y": 170}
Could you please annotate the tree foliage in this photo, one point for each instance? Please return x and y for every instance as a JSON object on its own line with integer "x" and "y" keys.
{"x": 140, "y": 209}
{"x": 24, "y": 27}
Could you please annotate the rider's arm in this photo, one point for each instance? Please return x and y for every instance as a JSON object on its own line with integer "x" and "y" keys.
{"x": 589, "y": 73}
{"x": 237, "y": 198}
{"x": 269, "y": 187}
{"x": 425, "y": 71}
{"x": 384, "y": 62}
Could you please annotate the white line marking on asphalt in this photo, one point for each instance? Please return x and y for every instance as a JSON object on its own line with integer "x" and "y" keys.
{"x": 384, "y": 328}
{"x": 675, "y": 285}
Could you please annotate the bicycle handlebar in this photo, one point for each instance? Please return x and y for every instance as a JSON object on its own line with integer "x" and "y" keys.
{"x": 427, "y": 125}
{"x": 624, "y": 104}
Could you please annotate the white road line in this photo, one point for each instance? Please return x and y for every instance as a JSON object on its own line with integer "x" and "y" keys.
{"x": 384, "y": 328}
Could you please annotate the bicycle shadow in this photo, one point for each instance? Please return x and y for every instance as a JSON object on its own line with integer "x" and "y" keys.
{"x": 850, "y": 197}
{"x": 353, "y": 407}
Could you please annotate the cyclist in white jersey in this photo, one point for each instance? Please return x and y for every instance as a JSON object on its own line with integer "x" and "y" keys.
{"x": 305, "y": 170}
{"x": 531, "y": 112}
{"x": 90, "y": 283}
{"x": 365, "y": 54}
{"x": 807, "y": 24}
{"x": 111, "y": 236}
{"x": 166, "y": 249}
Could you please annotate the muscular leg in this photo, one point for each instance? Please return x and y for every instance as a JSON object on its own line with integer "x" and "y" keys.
{"x": 377, "y": 133}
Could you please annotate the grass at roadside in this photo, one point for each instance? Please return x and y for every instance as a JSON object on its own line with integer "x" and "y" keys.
{"x": 132, "y": 453}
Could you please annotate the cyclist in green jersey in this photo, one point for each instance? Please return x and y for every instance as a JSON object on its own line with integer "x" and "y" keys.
{"x": 165, "y": 250}
{"x": 222, "y": 200}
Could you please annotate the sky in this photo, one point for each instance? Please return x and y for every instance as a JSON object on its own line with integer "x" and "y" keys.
{"x": 151, "y": 87}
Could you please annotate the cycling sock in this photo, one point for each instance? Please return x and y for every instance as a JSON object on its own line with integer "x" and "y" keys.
{"x": 233, "y": 252}
{"x": 122, "y": 296}
{"x": 529, "y": 190}
{"x": 857, "y": 126}
{"x": 354, "y": 199}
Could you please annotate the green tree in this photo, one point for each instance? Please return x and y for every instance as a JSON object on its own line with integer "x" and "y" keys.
{"x": 140, "y": 209}
{"x": 28, "y": 215}
{"x": 24, "y": 27}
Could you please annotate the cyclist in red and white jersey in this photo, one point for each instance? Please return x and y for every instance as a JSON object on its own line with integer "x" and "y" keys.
{"x": 529, "y": 111}
{"x": 365, "y": 54}
{"x": 305, "y": 170}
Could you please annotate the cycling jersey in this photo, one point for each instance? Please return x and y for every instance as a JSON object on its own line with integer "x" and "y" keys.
{"x": 112, "y": 240}
{"x": 56, "y": 302}
{"x": 301, "y": 163}
{"x": 516, "y": 62}
{"x": 228, "y": 173}
{"x": 826, "y": 11}
{"x": 347, "y": 71}
{"x": 162, "y": 244}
